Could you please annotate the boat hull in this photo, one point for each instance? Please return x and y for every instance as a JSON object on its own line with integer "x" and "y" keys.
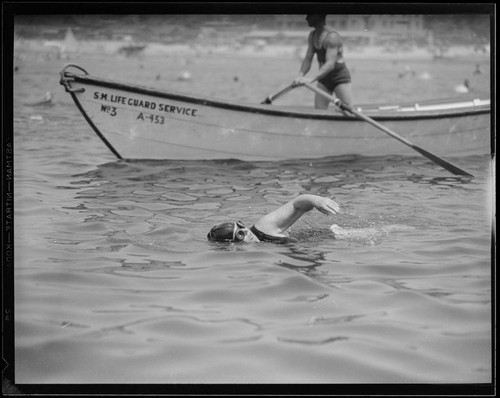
{"x": 142, "y": 123}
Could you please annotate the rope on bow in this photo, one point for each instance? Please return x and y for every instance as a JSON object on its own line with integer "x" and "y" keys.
{"x": 66, "y": 79}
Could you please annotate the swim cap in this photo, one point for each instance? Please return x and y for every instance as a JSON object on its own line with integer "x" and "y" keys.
{"x": 227, "y": 232}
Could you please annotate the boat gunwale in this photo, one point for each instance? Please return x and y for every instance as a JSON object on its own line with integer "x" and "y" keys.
{"x": 267, "y": 110}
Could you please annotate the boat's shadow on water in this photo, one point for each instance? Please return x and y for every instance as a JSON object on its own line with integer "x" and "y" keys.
{"x": 414, "y": 168}
{"x": 208, "y": 180}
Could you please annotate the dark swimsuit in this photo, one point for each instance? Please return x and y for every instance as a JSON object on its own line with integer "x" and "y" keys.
{"x": 269, "y": 238}
{"x": 338, "y": 75}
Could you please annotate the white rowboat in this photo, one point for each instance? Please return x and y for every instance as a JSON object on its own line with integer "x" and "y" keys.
{"x": 144, "y": 123}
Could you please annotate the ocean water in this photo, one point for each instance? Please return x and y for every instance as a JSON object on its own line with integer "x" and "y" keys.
{"x": 115, "y": 281}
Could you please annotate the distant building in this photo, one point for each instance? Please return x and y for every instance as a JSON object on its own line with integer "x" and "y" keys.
{"x": 399, "y": 28}
{"x": 365, "y": 29}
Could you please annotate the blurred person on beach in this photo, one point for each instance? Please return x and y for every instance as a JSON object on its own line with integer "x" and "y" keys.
{"x": 273, "y": 226}
{"x": 333, "y": 75}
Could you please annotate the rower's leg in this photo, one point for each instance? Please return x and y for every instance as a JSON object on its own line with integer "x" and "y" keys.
{"x": 321, "y": 102}
{"x": 344, "y": 93}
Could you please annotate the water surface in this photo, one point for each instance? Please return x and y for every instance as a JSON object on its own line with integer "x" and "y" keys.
{"x": 115, "y": 281}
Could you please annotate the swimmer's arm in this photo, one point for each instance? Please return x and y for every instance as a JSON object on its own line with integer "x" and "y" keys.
{"x": 279, "y": 220}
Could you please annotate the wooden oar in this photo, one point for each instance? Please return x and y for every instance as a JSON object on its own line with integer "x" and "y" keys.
{"x": 271, "y": 98}
{"x": 436, "y": 159}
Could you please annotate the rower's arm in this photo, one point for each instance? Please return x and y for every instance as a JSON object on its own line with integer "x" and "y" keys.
{"x": 306, "y": 62}
{"x": 308, "y": 58}
{"x": 333, "y": 45}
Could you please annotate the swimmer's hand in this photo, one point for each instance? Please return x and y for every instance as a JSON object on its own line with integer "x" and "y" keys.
{"x": 326, "y": 205}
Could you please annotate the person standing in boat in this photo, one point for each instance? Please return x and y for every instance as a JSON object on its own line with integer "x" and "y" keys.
{"x": 333, "y": 75}
{"x": 273, "y": 226}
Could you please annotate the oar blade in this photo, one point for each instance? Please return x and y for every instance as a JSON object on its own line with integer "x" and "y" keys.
{"x": 441, "y": 162}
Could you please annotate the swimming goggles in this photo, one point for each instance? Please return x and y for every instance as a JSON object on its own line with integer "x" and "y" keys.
{"x": 239, "y": 231}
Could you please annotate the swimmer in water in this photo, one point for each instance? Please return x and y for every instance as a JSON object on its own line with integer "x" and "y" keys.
{"x": 273, "y": 226}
